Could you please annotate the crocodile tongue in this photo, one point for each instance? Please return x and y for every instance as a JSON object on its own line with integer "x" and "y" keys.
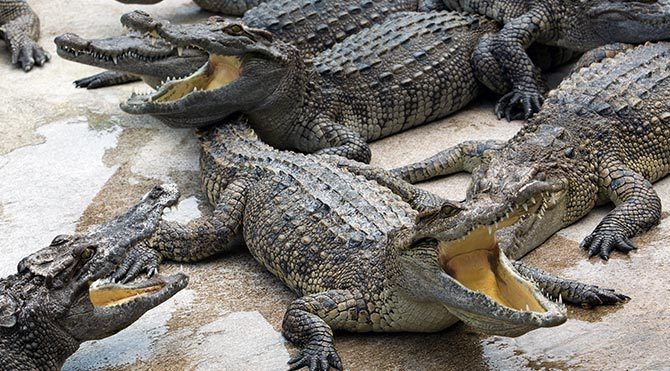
{"x": 475, "y": 262}
{"x": 218, "y": 72}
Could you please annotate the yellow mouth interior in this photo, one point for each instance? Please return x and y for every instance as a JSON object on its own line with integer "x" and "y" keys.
{"x": 475, "y": 263}
{"x": 218, "y": 72}
{"x": 108, "y": 296}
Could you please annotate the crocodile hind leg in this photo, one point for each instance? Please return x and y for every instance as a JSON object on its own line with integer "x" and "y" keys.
{"x": 638, "y": 208}
{"x": 465, "y": 156}
{"x": 104, "y": 79}
{"x": 20, "y": 28}
{"x": 570, "y": 291}
{"x": 195, "y": 241}
{"x": 310, "y": 320}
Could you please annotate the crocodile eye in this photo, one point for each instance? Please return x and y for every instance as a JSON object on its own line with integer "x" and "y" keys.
{"x": 60, "y": 239}
{"x": 87, "y": 253}
{"x": 236, "y": 28}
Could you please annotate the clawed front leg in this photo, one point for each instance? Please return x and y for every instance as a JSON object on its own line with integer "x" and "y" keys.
{"x": 20, "y": 28}
{"x": 305, "y": 325}
{"x": 105, "y": 79}
{"x": 463, "y": 157}
{"x": 508, "y": 49}
{"x": 638, "y": 208}
{"x": 419, "y": 199}
{"x": 197, "y": 240}
{"x": 570, "y": 291}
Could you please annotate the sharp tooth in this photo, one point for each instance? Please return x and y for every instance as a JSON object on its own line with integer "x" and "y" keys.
{"x": 180, "y": 50}
{"x": 533, "y": 199}
{"x": 527, "y": 308}
{"x": 490, "y": 229}
{"x": 525, "y": 207}
{"x": 560, "y": 299}
{"x": 115, "y": 60}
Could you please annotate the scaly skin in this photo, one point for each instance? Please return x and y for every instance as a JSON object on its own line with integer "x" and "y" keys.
{"x": 344, "y": 237}
{"x": 311, "y": 26}
{"x": 579, "y": 25}
{"x": 378, "y": 82}
{"x": 46, "y": 308}
{"x": 412, "y": 69}
{"x": 602, "y": 136}
{"x": 20, "y": 29}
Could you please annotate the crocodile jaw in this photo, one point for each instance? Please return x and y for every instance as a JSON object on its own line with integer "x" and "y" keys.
{"x": 493, "y": 297}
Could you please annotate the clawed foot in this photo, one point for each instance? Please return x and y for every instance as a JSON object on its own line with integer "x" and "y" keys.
{"x": 508, "y": 105}
{"x": 316, "y": 358}
{"x": 28, "y": 54}
{"x": 91, "y": 82}
{"x": 140, "y": 259}
{"x": 593, "y": 296}
{"x": 603, "y": 242}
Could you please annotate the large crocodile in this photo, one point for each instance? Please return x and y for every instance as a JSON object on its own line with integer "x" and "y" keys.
{"x": 51, "y": 306}
{"x": 601, "y": 136}
{"x": 20, "y": 29}
{"x": 410, "y": 70}
{"x": 312, "y": 26}
{"x": 344, "y": 237}
{"x": 579, "y": 25}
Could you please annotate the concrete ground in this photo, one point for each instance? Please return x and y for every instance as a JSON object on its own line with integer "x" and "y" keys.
{"x": 70, "y": 158}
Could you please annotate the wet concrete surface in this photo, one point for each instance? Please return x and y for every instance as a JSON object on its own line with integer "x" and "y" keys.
{"x": 70, "y": 158}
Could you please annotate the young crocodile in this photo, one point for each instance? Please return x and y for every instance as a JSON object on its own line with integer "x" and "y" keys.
{"x": 601, "y": 136}
{"x": 50, "y": 307}
{"x": 20, "y": 29}
{"x": 311, "y": 26}
{"x": 579, "y": 25}
{"x": 344, "y": 237}
{"x": 410, "y": 70}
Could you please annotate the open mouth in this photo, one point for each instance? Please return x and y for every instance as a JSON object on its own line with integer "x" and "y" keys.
{"x": 477, "y": 263}
{"x": 219, "y": 72}
{"x": 104, "y": 293}
{"x": 474, "y": 261}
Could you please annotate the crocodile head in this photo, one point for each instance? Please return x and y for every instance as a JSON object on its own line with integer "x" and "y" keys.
{"x": 58, "y": 298}
{"x": 630, "y": 21}
{"x": 467, "y": 272}
{"x": 244, "y": 69}
{"x": 521, "y": 195}
{"x": 155, "y": 60}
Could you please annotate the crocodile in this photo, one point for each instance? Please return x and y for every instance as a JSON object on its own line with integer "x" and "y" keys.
{"x": 579, "y": 25}
{"x": 312, "y": 26}
{"x": 20, "y": 29}
{"x": 59, "y": 297}
{"x": 344, "y": 236}
{"x": 602, "y": 136}
{"x": 412, "y": 69}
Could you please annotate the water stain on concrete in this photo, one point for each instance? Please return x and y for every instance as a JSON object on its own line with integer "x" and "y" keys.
{"x": 34, "y": 211}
